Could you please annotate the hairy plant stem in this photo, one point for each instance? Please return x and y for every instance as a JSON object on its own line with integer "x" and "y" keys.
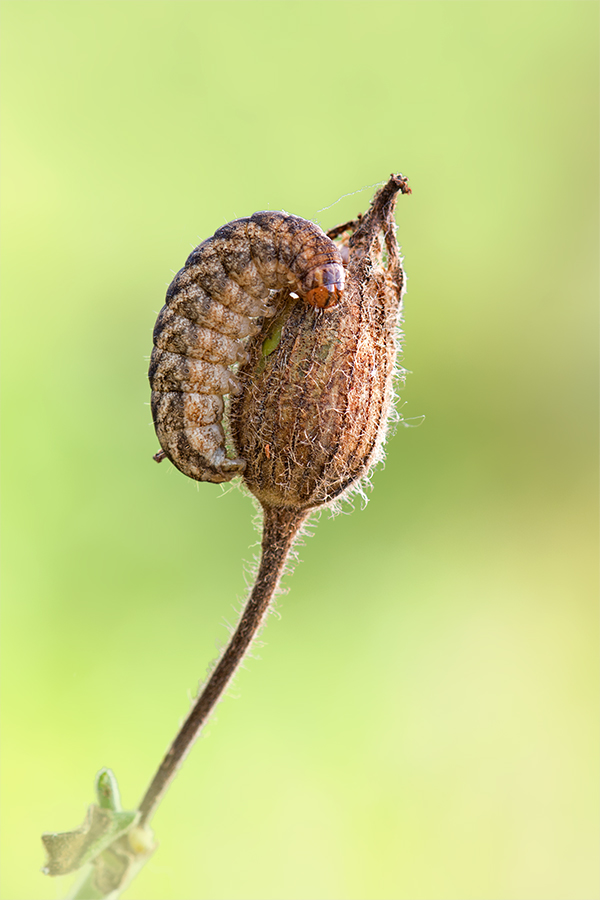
{"x": 280, "y": 528}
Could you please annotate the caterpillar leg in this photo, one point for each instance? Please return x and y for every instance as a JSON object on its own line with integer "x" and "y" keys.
{"x": 191, "y": 436}
{"x": 199, "y": 453}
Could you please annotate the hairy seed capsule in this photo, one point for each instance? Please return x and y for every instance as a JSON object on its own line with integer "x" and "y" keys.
{"x": 317, "y": 391}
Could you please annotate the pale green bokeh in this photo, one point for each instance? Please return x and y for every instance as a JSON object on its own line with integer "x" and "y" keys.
{"x": 422, "y": 725}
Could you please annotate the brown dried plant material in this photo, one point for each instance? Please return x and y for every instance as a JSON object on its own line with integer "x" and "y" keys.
{"x": 317, "y": 390}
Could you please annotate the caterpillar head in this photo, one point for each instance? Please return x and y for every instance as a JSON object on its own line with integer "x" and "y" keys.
{"x": 324, "y": 286}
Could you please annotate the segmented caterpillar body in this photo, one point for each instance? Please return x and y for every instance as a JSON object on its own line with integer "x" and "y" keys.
{"x": 228, "y": 281}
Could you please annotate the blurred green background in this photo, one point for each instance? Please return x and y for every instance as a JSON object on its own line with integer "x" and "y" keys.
{"x": 422, "y": 723}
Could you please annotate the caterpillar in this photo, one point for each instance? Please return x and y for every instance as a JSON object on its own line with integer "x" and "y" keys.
{"x": 211, "y": 306}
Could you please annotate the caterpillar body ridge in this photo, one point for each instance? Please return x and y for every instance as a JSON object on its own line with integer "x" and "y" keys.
{"x": 211, "y": 304}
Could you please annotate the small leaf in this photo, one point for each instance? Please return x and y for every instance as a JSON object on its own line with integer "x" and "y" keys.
{"x": 114, "y": 868}
{"x": 69, "y": 850}
{"x": 107, "y": 791}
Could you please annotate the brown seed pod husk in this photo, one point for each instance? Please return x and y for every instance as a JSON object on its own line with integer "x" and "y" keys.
{"x": 317, "y": 392}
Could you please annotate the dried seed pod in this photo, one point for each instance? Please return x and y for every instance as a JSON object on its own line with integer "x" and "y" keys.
{"x": 317, "y": 391}
{"x": 230, "y": 279}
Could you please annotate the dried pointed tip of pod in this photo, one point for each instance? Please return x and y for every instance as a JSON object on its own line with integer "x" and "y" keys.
{"x": 317, "y": 391}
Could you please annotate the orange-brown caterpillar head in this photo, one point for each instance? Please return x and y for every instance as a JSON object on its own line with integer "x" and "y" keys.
{"x": 325, "y": 286}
